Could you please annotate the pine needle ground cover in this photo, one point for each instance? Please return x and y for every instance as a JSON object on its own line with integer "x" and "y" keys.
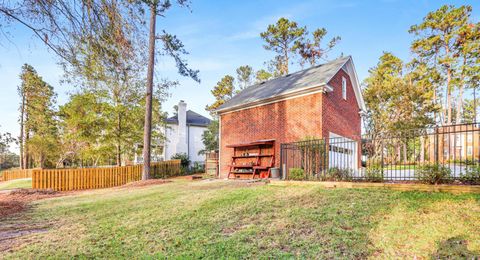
{"x": 219, "y": 219}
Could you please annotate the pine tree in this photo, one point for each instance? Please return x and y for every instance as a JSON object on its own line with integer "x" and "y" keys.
{"x": 397, "y": 99}
{"x": 210, "y": 137}
{"x": 38, "y": 120}
{"x": 436, "y": 45}
{"x": 311, "y": 51}
{"x": 223, "y": 91}
{"x": 262, "y": 75}
{"x": 468, "y": 45}
{"x": 284, "y": 39}
{"x": 244, "y": 77}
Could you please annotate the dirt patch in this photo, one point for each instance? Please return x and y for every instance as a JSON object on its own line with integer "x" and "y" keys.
{"x": 10, "y": 233}
{"x": 12, "y": 204}
{"x": 11, "y": 207}
{"x": 144, "y": 183}
{"x": 17, "y": 201}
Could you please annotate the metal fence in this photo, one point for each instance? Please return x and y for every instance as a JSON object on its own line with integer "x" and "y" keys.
{"x": 399, "y": 156}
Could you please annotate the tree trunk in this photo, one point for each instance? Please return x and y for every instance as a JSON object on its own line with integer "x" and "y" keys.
{"x": 119, "y": 139}
{"x": 21, "y": 138}
{"x": 458, "y": 117}
{"x": 286, "y": 60}
{"x": 147, "y": 131}
{"x": 475, "y": 104}
{"x": 398, "y": 158}
{"x": 449, "y": 99}
{"x": 26, "y": 163}
{"x": 435, "y": 116}
{"x": 41, "y": 160}
{"x": 460, "y": 96}
{"x": 449, "y": 90}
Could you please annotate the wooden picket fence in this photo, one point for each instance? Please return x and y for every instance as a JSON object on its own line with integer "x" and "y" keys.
{"x": 9, "y": 175}
{"x": 97, "y": 178}
{"x": 85, "y": 178}
{"x": 166, "y": 169}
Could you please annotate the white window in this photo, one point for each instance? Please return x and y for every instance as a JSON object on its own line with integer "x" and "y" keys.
{"x": 469, "y": 150}
{"x": 344, "y": 88}
{"x": 469, "y": 137}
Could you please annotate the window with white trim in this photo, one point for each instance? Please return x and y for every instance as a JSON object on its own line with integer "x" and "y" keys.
{"x": 344, "y": 88}
{"x": 469, "y": 151}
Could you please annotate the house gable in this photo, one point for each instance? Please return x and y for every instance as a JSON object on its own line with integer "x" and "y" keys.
{"x": 349, "y": 69}
{"x": 341, "y": 116}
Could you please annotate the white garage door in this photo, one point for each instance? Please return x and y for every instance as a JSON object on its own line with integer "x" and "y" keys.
{"x": 342, "y": 152}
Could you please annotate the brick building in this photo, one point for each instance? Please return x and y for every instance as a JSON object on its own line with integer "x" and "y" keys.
{"x": 324, "y": 101}
{"x": 448, "y": 144}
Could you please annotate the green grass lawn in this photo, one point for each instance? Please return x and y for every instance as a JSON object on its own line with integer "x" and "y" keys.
{"x": 15, "y": 184}
{"x": 225, "y": 220}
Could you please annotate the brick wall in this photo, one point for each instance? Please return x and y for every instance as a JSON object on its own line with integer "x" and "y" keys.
{"x": 341, "y": 116}
{"x": 291, "y": 120}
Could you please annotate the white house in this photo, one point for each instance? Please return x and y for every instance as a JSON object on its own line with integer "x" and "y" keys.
{"x": 183, "y": 134}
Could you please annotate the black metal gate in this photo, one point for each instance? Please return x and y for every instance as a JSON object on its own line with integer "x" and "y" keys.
{"x": 317, "y": 159}
{"x": 306, "y": 155}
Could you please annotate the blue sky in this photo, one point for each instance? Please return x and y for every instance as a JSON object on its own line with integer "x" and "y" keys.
{"x": 223, "y": 35}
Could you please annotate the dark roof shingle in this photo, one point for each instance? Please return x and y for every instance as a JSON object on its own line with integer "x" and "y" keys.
{"x": 192, "y": 119}
{"x": 311, "y": 77}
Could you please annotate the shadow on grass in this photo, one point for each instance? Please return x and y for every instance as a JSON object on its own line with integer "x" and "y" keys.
{"x": 425, "y": 225}
{"x": 454, "y": 248}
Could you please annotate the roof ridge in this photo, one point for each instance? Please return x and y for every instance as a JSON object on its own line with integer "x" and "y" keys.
{"x": 316, "y": 66}
{"x": 297, "y": 72}
{"x": 309, "y": 77}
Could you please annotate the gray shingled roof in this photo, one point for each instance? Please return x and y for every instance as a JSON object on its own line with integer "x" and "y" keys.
{"x": 311, "y": 77}
{"x": 192, "y": 119}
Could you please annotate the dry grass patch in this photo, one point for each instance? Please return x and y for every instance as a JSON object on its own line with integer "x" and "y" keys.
{"x": 429, "y": 230}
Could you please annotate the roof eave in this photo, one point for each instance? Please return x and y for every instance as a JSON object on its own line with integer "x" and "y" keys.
{"x": 299, "y": 92}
